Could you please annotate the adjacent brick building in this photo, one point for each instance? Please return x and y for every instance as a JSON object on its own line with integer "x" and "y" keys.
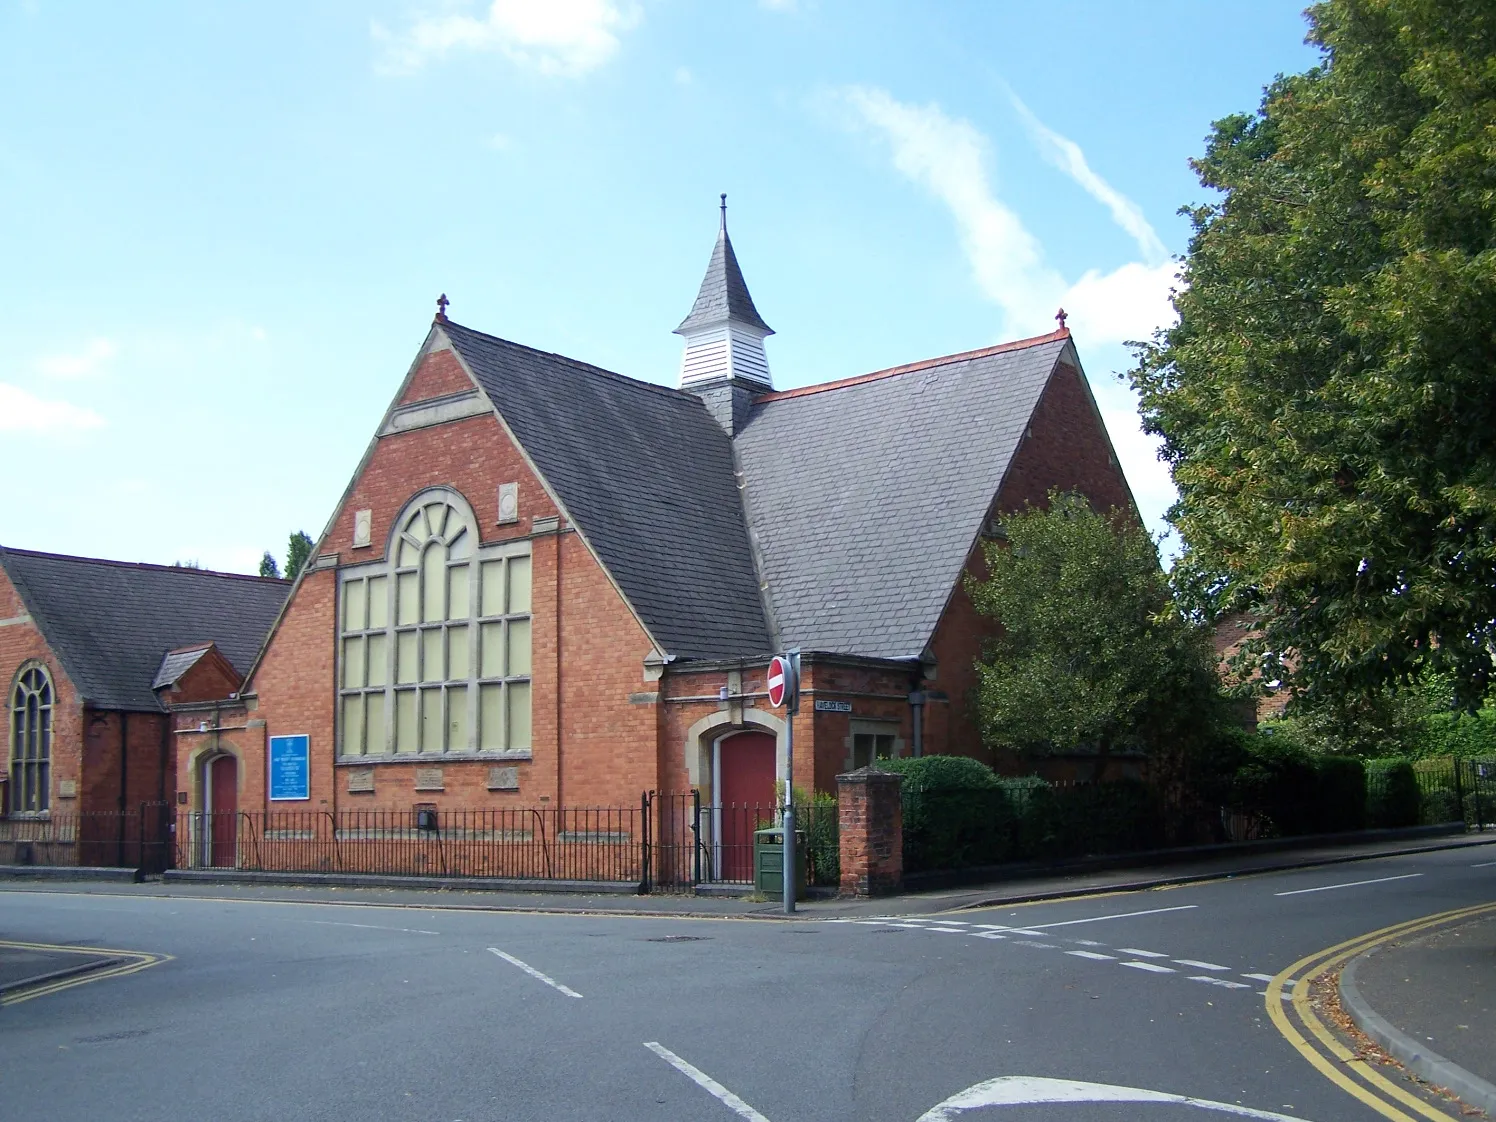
{"x": 551, "y": 585}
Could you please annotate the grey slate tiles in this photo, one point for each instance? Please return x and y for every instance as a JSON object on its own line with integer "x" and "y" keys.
{"x": 863, "y": 499}
{"x": 110, "y": 622}
{"x": 866, "y": 499}
{"x": 724, "y": 293}
{"x": 648, "y": 477}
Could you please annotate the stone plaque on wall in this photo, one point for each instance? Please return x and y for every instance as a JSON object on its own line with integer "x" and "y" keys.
{"x": 361, "y": 780}
{"x": 428, "y": 779}
{"x": 503, "y": 779}
{"x": 67, "y": 788}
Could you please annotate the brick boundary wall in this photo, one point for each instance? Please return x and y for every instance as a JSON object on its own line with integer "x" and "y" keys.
{"x": 871, "y": 817}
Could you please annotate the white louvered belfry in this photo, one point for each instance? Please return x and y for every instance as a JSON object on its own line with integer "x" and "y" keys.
{"x": 724, "y": 333}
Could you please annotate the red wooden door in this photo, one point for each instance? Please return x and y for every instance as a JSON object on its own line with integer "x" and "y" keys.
{"x": 746, "y": 793}
{"x": 223, "y": 783}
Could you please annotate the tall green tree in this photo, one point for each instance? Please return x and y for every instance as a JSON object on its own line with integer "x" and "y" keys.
{"x": 1092, "y": 653}
{"x": 298, "y": 552}
{"x": 268, "y": 567}
{"x": 1327, "y": 400}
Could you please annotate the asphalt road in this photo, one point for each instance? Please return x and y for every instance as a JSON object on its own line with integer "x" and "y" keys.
{"x": 338, "y": 1012}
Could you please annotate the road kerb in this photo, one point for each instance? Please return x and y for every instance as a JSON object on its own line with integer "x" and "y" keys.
{"x": 1327, "y": 1055}
{"x": 126, "y": 962}
{"x": 1418, "y": 1058}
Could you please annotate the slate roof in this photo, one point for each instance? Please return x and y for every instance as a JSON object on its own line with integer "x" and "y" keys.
{"x": 177, "y": 663}
{"x": 866, "y": 496}
{"x": 724, "y": 293}
{"x": 111, "y": 622}
{"x": 648, "y": 477}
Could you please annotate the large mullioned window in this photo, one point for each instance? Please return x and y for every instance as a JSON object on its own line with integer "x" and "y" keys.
{"x": 31, "y": 705}
{"x": 435, "y": 640}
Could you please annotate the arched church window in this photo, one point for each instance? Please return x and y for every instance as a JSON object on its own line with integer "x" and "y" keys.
{"x": 31, "y": 706}
{"x": 435, "y": 640}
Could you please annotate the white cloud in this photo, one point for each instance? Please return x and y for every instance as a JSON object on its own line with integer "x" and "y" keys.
{"x": 949, "y": 158}
{"x": 23, "y": 411}
{"x": 779, "y": 5}
{"x": 79, "y": 364}
{"x": 683, "y": 76}
{"x": 566, "y": 38}
{"x": 1066, "y": 155}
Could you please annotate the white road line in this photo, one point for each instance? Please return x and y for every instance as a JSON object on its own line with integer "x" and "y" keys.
{"x": 1119, "y": 915}
{"x": 1033, "y": 943}
{"x": 1484, "y": 865}
{"x": 949, "y": 930}
{"x": 530, "y": 970}
{"x": 1146, "y": 954}
{"x": 370, "y": 926}
{"x": 1347, "y": 884}
{"x": 1259, "y": 977}
{"x": 989, "y": 934}
{"x": 1198, "y": 965}
{"x": 1153, "y": 967}
{"x": 1088, "y": 943}
{"x": 1222, "y": 982}
{"x": 1018, "y": 1090}
{"x": 706, "y": 1083}
{"x": 1093, "y": 954}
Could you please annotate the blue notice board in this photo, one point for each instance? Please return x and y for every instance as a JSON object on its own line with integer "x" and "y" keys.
{"x": 290, "y": 767}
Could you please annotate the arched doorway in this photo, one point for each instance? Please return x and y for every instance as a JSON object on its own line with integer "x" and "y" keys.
{"x": 743, "y": 790}
{"x": 220, "y": 828}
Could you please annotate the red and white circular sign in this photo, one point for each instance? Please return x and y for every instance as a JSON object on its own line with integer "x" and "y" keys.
{"x": 778, "y": 675}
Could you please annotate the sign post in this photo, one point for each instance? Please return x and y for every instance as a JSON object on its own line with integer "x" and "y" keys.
{"x": 784, "y": 690}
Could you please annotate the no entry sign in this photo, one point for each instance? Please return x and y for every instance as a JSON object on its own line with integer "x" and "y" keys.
{"x": 779, "y": 673}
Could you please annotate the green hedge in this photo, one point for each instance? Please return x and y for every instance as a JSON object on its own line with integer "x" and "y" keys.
{"x": 955, "y": 814}
{"x": 1392, "y": 796}
{"x": 1342, "y": 793}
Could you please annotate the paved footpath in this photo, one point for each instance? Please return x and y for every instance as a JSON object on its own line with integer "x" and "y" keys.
{"x": 1437, "y": 989}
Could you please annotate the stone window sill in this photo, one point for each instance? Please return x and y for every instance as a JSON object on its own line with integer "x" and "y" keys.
{"x": 434, "y": 759}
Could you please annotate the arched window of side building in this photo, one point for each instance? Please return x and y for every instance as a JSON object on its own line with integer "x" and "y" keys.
{"x": 434, "y": 650}
{"x": 31, "y": 705}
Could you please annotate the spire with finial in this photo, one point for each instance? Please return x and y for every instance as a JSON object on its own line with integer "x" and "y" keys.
{"x": 724, "y": 333}
{"x": 441, "y": 308}
{"x": 1060, "y": 317}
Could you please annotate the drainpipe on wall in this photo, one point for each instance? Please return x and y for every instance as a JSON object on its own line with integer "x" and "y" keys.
{"x": 917, "y": 708}
{"x": 124, "y": 778}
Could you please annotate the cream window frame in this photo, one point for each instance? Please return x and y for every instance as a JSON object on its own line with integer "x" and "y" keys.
{"x": 476, "y": 702}
{"x": 875, "y": 736}
{"x": 32, "y": 710}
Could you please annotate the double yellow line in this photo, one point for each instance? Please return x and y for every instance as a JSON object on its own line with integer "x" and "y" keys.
{"x": 1337, "y": 1063}
{"x": 130, "y": 962}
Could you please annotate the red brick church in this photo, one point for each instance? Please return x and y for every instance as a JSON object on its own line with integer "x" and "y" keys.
{"x": 548, "y": 584}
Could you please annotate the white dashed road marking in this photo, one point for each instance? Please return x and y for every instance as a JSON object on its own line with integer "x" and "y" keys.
{"x": 530, "y": 970}
{"x": 1347, "y": 884}
{"x": 1152, "y": 967}
{"x": 1225, "y": 983}
{"x": 1094, "y": 955}
{"x": 1119, "y": 915}
{"x": 705, "y": 1082}
{"x": 1198, "y": 965}
{"x": 1146, "y": 954}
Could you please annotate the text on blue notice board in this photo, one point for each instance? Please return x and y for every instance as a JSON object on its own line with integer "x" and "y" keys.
{"x": 290, "y": 767}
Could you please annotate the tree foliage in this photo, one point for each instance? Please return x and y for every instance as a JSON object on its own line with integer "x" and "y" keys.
{"x": 298, "y": 552}
{"x": 1092, "y": 653}
{"x": 268, "y": 567}
{"x": 1327, "y": 399}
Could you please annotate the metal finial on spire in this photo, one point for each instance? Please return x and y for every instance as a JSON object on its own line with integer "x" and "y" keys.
{"x": 441, "y": 308}
{"x": 1061, "y": 316}
{"x": 724, "y": 210}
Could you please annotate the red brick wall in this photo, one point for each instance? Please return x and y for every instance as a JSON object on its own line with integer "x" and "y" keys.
{"x": 439, "y": 374}
{"x": 20, "y": 643}
{"x": 590, "y": 744}
{"x": 1065, "y": 447}
{"x": 149, "y": 773}
{"x": 211, "y": 678}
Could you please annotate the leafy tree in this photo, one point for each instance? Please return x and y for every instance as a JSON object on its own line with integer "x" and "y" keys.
{"x": 1092, "y": 653}
{"x": 1326, "y": 399}
{"x": 268, "y": 567}
{"x": 298, "y": 552}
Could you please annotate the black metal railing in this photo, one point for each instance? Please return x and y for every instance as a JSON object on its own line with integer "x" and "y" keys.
{"x": 137, "y": 839}
{"x": 570, "y": 843}
{"x": 692, "y": 842}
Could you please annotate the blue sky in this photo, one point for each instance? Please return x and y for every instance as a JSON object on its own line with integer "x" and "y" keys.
{"x": 223, "y": 227}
